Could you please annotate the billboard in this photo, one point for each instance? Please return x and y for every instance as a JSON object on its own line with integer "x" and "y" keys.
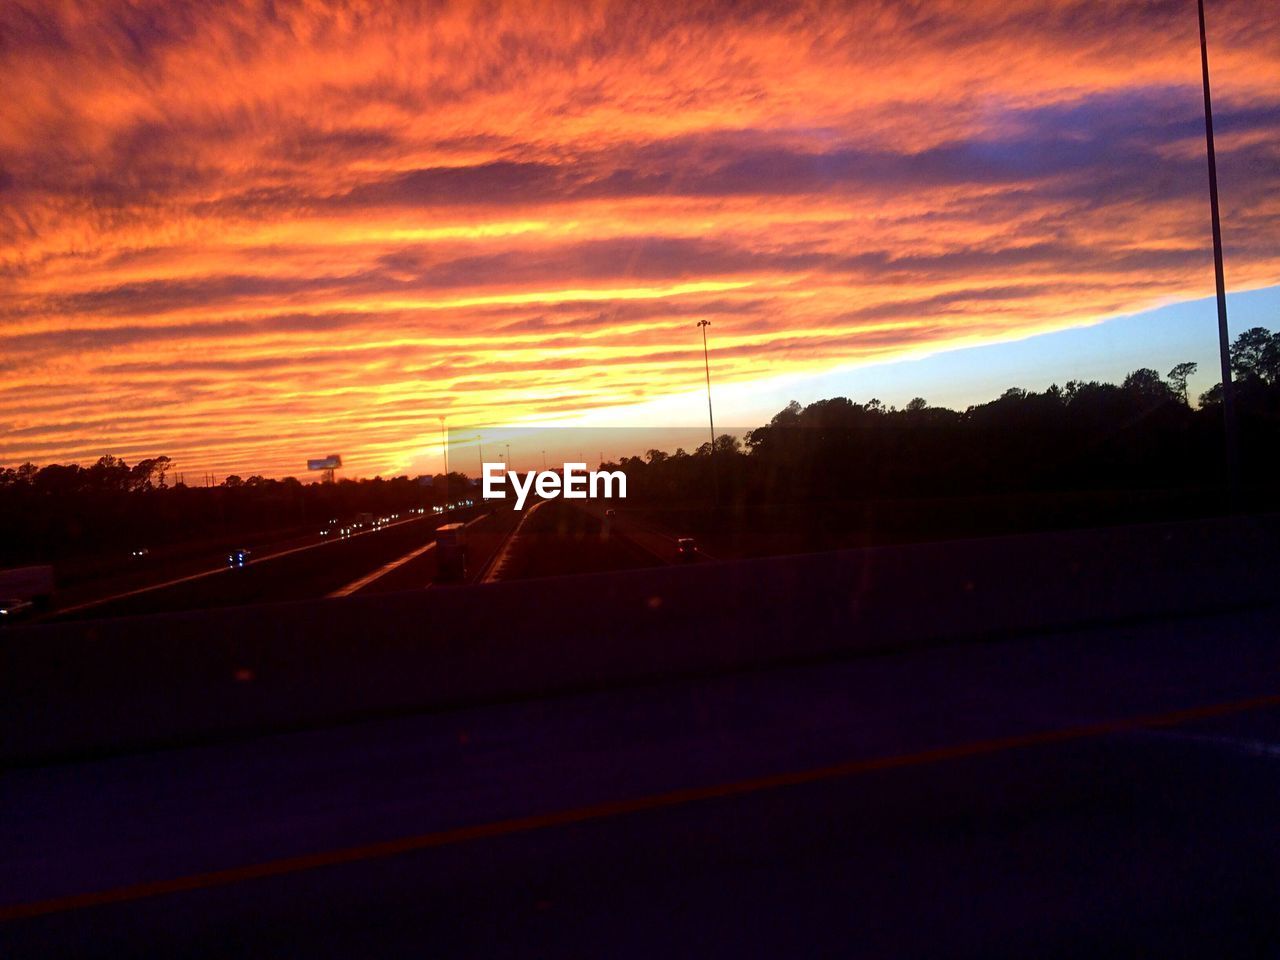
{"x": 331, "y": 462}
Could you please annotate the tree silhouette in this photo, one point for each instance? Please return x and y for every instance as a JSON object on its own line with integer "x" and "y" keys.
{"x": 1139, "y": 438}
{"x": 1211, "y": 397}
{"x": 1178, "y": 377}
{"x": 727, "y": 444}
{"x": 1147, "y": 386}
{"x": 1255, "y": 354}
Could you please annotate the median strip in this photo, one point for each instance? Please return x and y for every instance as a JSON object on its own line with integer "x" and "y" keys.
{"x": 500, "y": 559}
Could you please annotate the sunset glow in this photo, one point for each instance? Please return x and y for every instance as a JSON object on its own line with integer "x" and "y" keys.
{"x": 244, "y": 235}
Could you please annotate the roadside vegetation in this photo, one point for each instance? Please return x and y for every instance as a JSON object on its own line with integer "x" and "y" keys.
{"x": 841, "y": 473}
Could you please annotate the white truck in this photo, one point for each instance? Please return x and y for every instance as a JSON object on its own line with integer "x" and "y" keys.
{"x": 24, "y": 589}
{"x": 451, "y": 553}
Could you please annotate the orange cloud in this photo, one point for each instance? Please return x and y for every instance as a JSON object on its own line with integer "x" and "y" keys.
{"x": 224, "y": 225}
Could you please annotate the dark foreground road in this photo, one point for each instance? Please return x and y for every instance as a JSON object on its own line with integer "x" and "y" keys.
{"x": 1105, "y": 792}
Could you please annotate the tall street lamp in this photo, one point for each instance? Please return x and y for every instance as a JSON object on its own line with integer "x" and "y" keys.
{"x": 706, "y": 363}
{"x": 1224, "y": 339}
{"x": 444, "y": 447}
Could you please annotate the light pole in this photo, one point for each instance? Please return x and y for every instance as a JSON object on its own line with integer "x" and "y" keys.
{"x": 1224, "y": 337}
{"x": 706, "y": 363}
{"x": 444, "y": 450}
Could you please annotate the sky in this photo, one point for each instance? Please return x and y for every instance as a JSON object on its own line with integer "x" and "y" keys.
{"x": 247, "y": 234}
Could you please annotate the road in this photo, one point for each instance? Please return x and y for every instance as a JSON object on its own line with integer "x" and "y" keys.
{"x": 486, "y": 534}
{"x": 1109, "y": 791}
{"x": 399, "y": 556}
{"x": 554, "y": 538}
{"x": 559, "y": 538}
{"x": 565, "y": 539}
{"x": 650, "y": 538}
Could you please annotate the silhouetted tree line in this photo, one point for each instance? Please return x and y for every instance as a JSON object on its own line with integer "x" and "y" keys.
{"x": 1141, "y": 433}
{"x": 65, "y": 509}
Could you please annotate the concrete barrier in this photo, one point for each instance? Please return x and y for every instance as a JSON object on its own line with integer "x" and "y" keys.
{"x": 82, "y": 688}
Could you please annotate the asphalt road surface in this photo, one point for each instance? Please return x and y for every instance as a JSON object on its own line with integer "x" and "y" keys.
{"x": 658, "y": 543}
{"x": 1105, "y": 792}
{"x": 365, "y": 563}
{"x": 559, "y": 538}
{"x": 486, "y": 535}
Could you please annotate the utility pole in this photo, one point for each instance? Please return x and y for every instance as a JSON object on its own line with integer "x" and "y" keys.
{"x": 706, "y": 365}
{"x": 1224, "y": 337}
{"x": 444, "y": 447}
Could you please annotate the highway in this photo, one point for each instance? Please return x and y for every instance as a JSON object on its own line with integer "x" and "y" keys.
{"x": 658, "y": 544}
{"x": 560, "y": 537}
{"x": 1105, "y": 791}
{"x": 565, "y": 539}
{"x": 397, "y": 556}
{"x": 86, "y": 584}
{"x": 557, "y": 538}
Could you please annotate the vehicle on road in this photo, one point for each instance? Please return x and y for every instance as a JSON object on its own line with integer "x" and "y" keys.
{"x": 611, "y": 512}
{"x": 33, "y": 584}
{"x": 14, "y": 608}
{"x": 451, "y": 553}
{"x": 686, "y": 549}
{"x": 238, "y": 559}
{"x": 140, "y": 553}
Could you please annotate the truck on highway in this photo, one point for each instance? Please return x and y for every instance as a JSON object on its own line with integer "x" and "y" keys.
{"x": 24, "y": 589}
{"x": 451, "y": 553}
